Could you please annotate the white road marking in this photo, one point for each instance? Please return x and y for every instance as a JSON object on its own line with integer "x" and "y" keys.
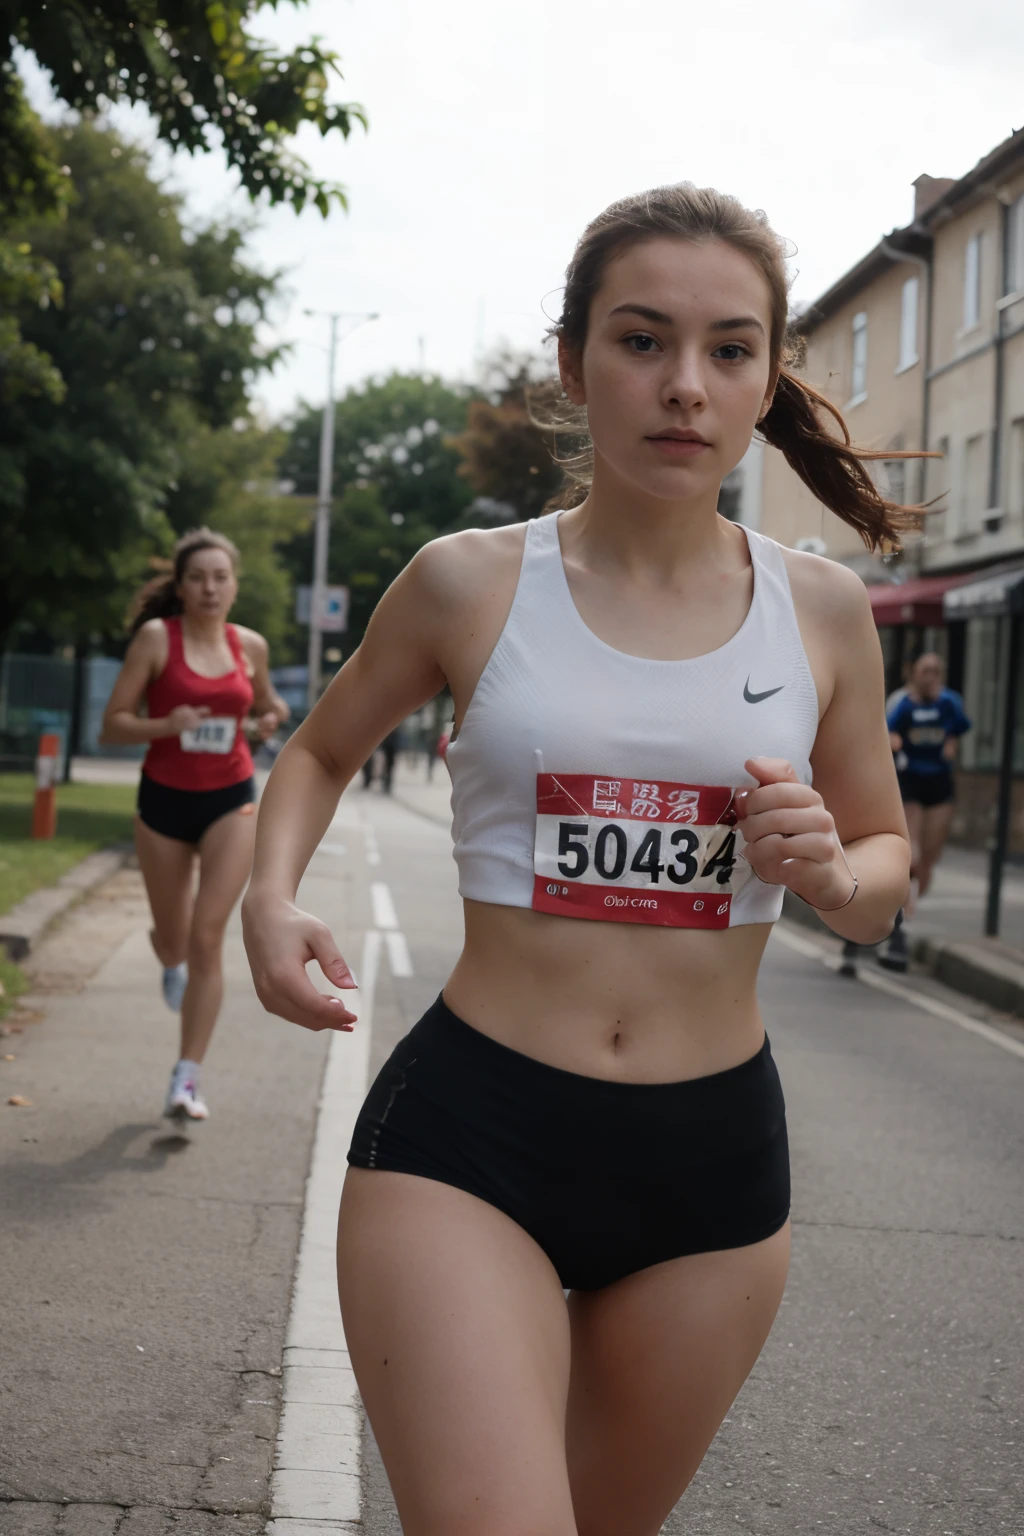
{"x": 399, "y": 957}
{"x": 384, "y": 914}
{"x": 370, "y": 842}
{"x": 317, "y": 1461}
{"x": 904, "y": 990}
{"x": 338, "y": 848}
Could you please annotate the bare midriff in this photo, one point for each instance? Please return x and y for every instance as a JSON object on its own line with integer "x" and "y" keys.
{"x": 620, "y": 1001}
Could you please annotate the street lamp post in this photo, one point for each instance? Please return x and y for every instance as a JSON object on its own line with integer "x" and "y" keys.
{"x": 323, "y": 515}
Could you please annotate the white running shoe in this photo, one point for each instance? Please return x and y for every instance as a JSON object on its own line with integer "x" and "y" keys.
{"x": 175, "y": 981}
{"x": 183, "y": 1098}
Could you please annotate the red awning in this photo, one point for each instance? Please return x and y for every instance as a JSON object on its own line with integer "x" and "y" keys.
{"x": 912, "y": 602}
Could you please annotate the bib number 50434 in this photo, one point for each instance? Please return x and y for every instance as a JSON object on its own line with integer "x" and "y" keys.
{"x": 678, "y": 855}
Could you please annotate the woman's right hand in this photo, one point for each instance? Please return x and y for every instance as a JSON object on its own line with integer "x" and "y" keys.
{"x": 280, "y": 940}
{"x": 184, "y": 718}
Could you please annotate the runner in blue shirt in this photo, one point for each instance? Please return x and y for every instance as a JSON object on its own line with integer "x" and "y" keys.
{"x": 925, "y": 725}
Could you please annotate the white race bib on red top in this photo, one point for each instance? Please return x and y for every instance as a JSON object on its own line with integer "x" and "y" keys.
{"x": 636, "y": 851}
{"x": 217, "y": 734}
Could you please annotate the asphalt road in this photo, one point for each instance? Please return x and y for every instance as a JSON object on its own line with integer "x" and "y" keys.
{"x": 890, "y": 1396}
{"x": 144, "y": 1282}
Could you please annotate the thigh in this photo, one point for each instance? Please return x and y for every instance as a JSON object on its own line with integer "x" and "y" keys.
{"x": 657, "y": 1360}
{"x": 167, "y": 869}
{"x": 459, "y": 1337}
{"x": 225, "y": 862}
{"x": 935, "y": 820}
{"x": 913, "y": 810}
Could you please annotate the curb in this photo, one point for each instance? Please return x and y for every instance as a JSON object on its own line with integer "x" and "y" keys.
{"x": 984, "y": 969}
{"x": 24, "y": 925}
{"x": 316, "y": 1484}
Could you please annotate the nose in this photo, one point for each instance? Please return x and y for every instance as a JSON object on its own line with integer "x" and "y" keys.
{"x": 685, "y": 384}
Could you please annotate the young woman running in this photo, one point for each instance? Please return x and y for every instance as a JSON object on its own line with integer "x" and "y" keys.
{"x": 200, "y": 678}
{"x": 642, "y": 690}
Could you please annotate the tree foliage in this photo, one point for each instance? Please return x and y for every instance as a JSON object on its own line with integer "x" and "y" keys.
{"x": 228, "y": 481}
{"x": 505, "y": 456}
{"x": 155, "y": 340}
{"x": 396, "y": 482}
{"x": 205, "y": 78}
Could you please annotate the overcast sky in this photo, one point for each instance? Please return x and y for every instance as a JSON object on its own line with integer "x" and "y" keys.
{"x": 497, "y": 132}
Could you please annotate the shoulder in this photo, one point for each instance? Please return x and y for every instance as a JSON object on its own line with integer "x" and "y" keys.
{"x": 150, "y": 639}
{"x": 827, "y": 593}
{"x": 252, "y": 643}
{"x": 468, "y": 565}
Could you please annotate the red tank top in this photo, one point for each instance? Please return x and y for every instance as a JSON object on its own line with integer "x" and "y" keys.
{"x": 217, "y": 753}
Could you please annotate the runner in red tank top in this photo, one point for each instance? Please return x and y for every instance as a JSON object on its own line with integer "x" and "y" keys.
{"x": 201, "y": 679}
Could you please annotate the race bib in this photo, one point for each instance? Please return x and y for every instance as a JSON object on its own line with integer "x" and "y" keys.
{"x": 214, "y": 735}
{"x": 636, "y": 851}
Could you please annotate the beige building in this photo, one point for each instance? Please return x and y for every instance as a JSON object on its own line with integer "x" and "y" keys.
{"x": 921, "y": 344}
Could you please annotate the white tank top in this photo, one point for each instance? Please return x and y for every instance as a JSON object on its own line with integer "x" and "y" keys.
{"x": 590, "y": 783}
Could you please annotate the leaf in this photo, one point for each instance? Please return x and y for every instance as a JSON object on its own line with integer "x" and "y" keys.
{"x": 18, "y": 1102}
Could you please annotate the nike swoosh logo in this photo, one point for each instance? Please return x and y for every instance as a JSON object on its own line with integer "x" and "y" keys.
{"x": 755, "y": 698}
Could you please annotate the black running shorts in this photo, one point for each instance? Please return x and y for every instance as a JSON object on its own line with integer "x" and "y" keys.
{"x": 607, "y": 1177}
{"x": 185, "y": 814}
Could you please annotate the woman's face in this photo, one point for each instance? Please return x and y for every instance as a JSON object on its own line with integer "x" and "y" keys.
{"x": 675, "y": 371}
{"x": 209, "y": 585}
{"x": 927, "y": 676}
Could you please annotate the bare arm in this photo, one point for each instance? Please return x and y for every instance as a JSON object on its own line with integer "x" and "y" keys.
{"x": 145, "y": 658}
{"x": 268, "y": 708}
{"x": 852, "y": 820}
{"x": 394, "y": 672}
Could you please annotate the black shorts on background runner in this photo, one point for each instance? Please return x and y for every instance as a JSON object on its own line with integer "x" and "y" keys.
{"x": 926, "y": 789}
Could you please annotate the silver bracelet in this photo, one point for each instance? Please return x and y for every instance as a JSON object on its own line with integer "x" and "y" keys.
{"x": 841, "y": 905}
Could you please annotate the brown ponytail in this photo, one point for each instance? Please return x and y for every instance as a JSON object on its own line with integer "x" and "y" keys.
{"x": 159, "y": 598}
{"x": 829, "y": 465}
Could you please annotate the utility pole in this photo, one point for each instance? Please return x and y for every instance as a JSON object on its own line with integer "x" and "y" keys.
{"x": 322, "y": 527}
{"x": 323, "y": 514}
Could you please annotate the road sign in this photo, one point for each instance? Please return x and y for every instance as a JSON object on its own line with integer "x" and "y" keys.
{"x": 334, "y": 615}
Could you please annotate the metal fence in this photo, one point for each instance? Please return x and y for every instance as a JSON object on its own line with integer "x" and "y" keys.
{"x": 37, "y": 694}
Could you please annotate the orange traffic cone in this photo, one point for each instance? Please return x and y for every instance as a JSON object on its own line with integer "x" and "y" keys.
{"x": 44, "y": 807}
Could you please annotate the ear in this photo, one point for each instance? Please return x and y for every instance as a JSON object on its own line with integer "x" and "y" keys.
{"x": 571, "y": 373}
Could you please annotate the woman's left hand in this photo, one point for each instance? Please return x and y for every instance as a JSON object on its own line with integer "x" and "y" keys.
{"x": 791, "y": 838}
{"x": 267, "y": 724}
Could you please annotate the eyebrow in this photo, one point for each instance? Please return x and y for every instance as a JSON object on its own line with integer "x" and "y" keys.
{"x": 735, "y": 323}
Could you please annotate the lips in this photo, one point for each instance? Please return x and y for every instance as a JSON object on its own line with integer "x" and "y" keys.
{"x": 679, "y": 446}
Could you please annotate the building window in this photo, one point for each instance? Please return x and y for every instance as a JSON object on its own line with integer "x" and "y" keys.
{"x": 896, "y": 480}
{"x": 859, "y": 369}
{"x": 972, "y": 282}
{"x": 1015, "y": 253}
{"x": 973, "y": 490}
{"x": 908, "y": 325}
{"x": 1017, "y": 467}
{"x": 984, "y": 697}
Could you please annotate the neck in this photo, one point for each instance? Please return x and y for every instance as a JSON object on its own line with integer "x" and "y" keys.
{"x": 648, "y": 537}
{"x": 203, "y": 626}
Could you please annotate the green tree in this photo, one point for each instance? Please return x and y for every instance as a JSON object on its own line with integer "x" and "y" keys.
{"x": 206, "y": 80}
{"x": 207, "y": 83}
{"x": 156, "y": 338}
{"x": 228, "y": 481}
{"x": 506, "y": 458}
{"x": 396, "y": 482}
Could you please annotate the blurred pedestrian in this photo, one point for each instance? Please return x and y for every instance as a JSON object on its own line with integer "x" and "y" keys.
{"x": 201, "y": 681}
{"x": 925, "y": 726}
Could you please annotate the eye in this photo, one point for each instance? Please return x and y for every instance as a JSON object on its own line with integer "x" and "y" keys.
{"x": 732, "y": 351}
{"x": 641, "y": 343}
